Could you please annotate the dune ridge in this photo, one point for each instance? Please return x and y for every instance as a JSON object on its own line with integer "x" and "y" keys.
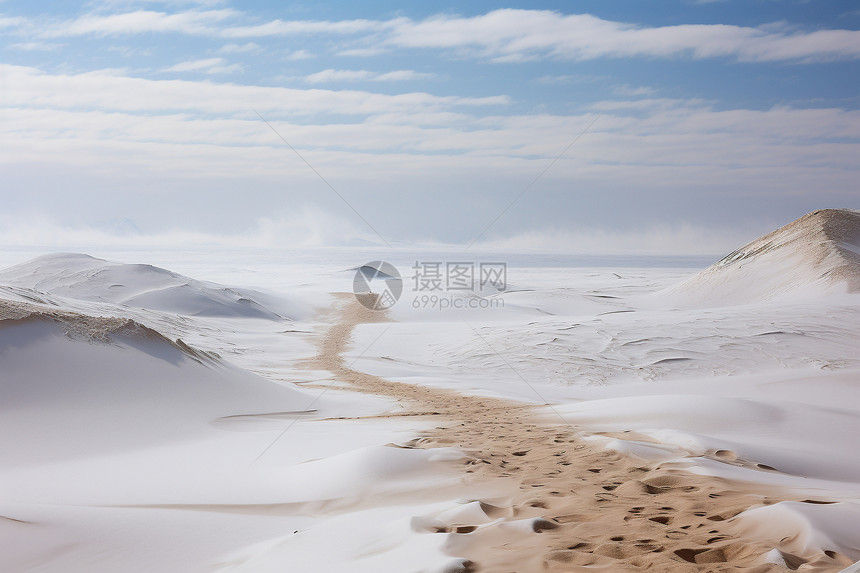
{"x": 85, "y": 278}
{"x": 94, "y": 328}
{"x": 815, "y": 254}
{"x": 828, "y": 239}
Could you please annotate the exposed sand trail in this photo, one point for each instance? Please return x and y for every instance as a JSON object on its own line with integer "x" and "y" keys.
{"x": 569, "y": 506}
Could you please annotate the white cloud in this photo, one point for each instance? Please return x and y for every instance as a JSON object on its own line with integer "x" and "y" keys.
{"x": 297, "y": 27}
{"x": 108, "y": 91}
{"x": 36, "y": 46}
{"x": 195, "y": 65}
{"x": 139, "y": 22}
{"x": 299, "y": 55}
{"x": 361, "y": 52}
{"x": 225, "y": 69}
{"x": 107, "y": 122}
{"x": 505, "y": 35}
{"x": 208, "y": 65}
{"x": 12, "y": 22}
{"x": 128, "y": 51}
{"x": 626, "y": 90}
{"x": 402, "y": 75}
{"x": 645, "y": 104}
{"x": 516, "y": 35}
{"x": 330, "y": 75}
{"x": 239, "y": 48}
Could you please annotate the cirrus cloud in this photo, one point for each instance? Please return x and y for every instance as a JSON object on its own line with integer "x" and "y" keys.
{"x": 517, "y": 35}
{"x": 206, "y": 65}
{"x": 504, "y": 35}
{"x": 139, "y": 22}
{"x": 330, "y": 75}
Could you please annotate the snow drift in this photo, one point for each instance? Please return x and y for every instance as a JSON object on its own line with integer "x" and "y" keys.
{"x": 86, "y": 278}
{"x": 818, "y": 253}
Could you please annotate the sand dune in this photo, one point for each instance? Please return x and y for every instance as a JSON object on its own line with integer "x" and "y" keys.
{"x": 76, "y": 385}
{"x": 816, "y": 254}
{"x": 82, "y": 277}
{"x": 123, "y": 450}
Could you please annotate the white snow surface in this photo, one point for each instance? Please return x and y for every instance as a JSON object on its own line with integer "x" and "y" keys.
{"x": 122, "y": 449}
{"x": 135, "y": 453}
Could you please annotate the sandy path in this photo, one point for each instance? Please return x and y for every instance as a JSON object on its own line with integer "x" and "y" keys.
{"x": 569, "y": 507}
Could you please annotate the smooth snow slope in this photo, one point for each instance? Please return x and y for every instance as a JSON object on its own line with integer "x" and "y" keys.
{"x": 78, "y": 386}
{"x": 124, "y": 450}
{"x": 82, "y": 277}
{"x": 818, "y": 253}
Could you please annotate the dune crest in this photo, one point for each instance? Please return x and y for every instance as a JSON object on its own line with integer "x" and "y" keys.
{"x": 95, "y": 328}
{"x": 103, "y": 329}
{"x": 818, "y": 253}
{"x": 86, "y": 278}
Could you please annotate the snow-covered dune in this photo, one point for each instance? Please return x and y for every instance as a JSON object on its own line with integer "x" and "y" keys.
{"x": 86, "y": 278}
{"x": 124, "y": 450}
{"x": 74, "y": 385}
{"x": 818, "y": 253}
{"x": 140, "y": 453}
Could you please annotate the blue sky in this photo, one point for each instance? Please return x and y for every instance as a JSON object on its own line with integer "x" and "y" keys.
{"x": 696, "y": 124}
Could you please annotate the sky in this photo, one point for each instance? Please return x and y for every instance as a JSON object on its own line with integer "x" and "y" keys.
{"x": 668, "y": 126}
